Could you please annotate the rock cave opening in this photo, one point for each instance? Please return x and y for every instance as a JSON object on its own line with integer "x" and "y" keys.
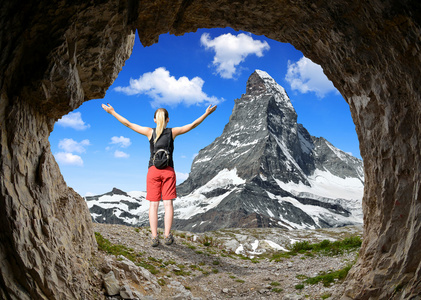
{"x": 52, "y": 62}
{"x": 95, "y": 153}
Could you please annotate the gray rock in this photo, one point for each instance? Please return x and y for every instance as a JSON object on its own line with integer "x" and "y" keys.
{"x": 111, "y": 284}
{"x": 126, "y": 292}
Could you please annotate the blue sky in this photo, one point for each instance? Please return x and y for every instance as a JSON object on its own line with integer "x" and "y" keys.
{"x": 184, "y": 74}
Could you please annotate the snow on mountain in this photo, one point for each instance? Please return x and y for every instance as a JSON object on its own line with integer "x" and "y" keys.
{"x": 117, "y": 207}
{"x": 289, "y": 178}
{"x": 265, "y": 170}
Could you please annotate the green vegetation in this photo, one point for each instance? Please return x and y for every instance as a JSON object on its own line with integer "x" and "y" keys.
{"x": 161, "y": 282}
{"x": 327, "y": 278}
{"x": 299, "y": 286}
{"x": 325, "y": 247}
{"x": 180, "y": 270}
{"x": 115, "y": 249}
{"x": 209, "y": 241}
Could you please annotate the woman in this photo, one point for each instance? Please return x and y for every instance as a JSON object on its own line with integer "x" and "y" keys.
{"x": 160, "y": 183}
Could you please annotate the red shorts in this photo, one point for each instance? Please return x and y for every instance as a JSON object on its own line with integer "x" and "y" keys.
{"x": 160, "y": 184}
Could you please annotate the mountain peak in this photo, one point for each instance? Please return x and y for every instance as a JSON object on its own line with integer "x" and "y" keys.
{"x": 260, "y": 82}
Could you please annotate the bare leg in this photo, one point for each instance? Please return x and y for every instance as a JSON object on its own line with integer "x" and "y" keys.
{"x": 153, "y": 217}
{"x": 169, "y": 215}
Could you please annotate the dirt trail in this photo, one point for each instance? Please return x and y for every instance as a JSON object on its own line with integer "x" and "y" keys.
{"x": 205, "y": 266}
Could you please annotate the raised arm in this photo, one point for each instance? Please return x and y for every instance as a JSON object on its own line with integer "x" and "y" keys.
{"x": 147, "y": 131}
{"x": 186, "y": 128}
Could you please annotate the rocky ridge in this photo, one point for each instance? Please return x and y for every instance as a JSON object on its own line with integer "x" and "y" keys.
{"x": 233, "y": 266}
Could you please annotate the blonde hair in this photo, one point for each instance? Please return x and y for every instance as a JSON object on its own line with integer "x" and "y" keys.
{"x": 161, "y": 116}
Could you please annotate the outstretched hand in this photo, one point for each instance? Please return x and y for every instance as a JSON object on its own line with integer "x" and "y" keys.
{"x": 108, "y": 108}
{"x": 211, "y": 109}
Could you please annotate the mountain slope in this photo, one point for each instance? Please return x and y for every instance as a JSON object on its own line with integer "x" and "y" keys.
{"x": 265, "y": 170}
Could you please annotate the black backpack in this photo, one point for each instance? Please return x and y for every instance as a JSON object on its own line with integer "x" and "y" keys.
{"x": 161, "y": 157}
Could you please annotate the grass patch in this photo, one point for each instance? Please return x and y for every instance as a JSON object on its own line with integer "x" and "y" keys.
{"x": 209, "y": 241}
{"x": 181, "y": 272}
{"x": 170, "y": 262}
{"x": 325, "y": 247}
{"x": 116, "y": 249}
{"x": 151, "y": 268}
{"x": 161, "y": 282}
{"x": 327, "y": 278}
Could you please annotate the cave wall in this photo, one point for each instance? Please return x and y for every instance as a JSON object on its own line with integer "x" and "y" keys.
{"x": 55, "y": 56}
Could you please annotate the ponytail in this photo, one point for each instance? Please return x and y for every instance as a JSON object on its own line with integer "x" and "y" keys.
{"x": 161, "y": 116}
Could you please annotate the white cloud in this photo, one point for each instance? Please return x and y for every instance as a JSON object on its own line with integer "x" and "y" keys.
{"x": 66, "y": 158}
{"x": 306, "y": 76}
{"x": 120, "y": 154}
{"x": 70, "y": 145}
{"x": 165, "y": 89}
{"x": 121, "y": 141}
{"x": 181, "y": 177}
{"x": 73, "y": 120}
{"x": 231, "y": 50}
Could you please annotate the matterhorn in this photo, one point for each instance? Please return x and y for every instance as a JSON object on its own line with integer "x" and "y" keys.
{"x": 265, "y": 170}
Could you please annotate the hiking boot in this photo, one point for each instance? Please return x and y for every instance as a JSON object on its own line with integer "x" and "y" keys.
{"x": 169, "y": 239}
{"x": 155, "y": 241}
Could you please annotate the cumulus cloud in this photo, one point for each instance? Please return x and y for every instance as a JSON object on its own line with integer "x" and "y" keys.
{"x": 231, "y": 50}
{"x": 165, "y": 89}
{"x": 120, "y": 154}
{"x": 121, "y": 141}
{"x": 306, "y": 76}
{"x": 66, "y": 158}
{"x": 73, "y": 120}
{"x": 70, "y": 145}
